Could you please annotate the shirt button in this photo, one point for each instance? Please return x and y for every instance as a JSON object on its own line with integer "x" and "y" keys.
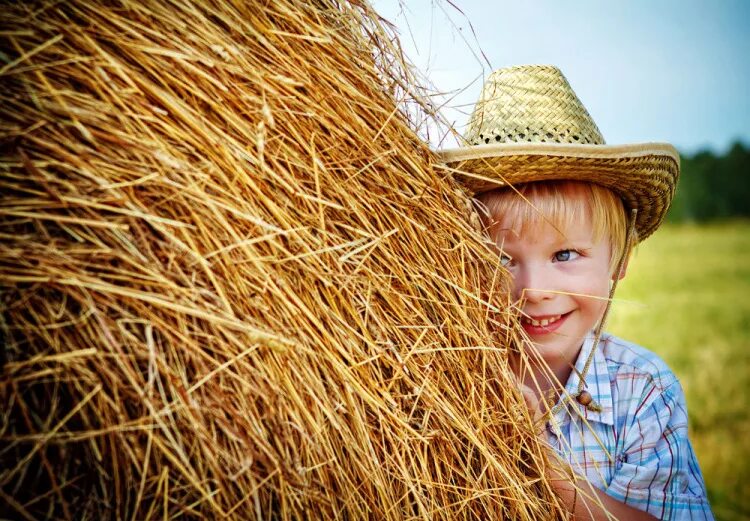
{"x": 584, "y": 398}
{"x": 619, "y": 460}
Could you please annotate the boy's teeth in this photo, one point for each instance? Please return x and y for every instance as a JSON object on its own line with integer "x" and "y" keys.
{"x": 544, "y": 321}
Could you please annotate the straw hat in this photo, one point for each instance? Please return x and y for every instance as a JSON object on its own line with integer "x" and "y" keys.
{"x": 529, "y": 125}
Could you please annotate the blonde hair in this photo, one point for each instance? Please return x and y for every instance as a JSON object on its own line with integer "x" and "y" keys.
{"x": 524, "y": 208}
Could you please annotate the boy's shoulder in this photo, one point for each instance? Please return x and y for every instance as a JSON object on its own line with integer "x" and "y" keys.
{"x": 632, "y": 362}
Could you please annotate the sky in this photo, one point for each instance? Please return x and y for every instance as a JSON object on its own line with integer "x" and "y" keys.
{"x": 658, "y": 70}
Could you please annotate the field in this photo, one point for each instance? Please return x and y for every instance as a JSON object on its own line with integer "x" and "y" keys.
{"x": 687, "y": 297}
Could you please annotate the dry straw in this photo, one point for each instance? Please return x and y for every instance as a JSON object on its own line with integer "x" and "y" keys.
{"x": 233, "y": 286}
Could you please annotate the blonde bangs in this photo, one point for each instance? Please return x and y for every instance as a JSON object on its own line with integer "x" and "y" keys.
{"x": 561, "y": 204}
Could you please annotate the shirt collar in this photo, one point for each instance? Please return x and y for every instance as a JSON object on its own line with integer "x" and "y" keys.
{"x": 597, "y": 383}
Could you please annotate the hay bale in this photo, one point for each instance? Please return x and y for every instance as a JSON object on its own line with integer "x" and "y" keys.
{"x": 233, "y": 285}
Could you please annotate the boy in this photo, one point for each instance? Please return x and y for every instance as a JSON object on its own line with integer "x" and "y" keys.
{"x": 564, "y": 210}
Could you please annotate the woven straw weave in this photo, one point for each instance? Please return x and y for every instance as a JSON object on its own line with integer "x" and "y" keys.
{"x": 531, "y": 104}
{"x": 529, "y": 126}
{"x": 646, "y": 183}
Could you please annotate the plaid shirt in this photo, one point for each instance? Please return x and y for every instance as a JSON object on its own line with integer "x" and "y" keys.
{"x": 636, "y": 449}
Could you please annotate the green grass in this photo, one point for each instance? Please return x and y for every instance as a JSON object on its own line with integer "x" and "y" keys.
{"x": 686, "y": 296}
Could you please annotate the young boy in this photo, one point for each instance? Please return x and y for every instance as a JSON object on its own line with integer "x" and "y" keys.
{"x": 563, "y": 210}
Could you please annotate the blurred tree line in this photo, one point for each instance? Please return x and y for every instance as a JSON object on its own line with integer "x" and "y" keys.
{"x": 713, "y": 186}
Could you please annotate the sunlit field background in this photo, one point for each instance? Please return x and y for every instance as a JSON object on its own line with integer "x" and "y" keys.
{"x": 687, "y": 297}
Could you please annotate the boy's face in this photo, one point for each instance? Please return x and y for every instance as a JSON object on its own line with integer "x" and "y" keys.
{"x": 561, "y": 278}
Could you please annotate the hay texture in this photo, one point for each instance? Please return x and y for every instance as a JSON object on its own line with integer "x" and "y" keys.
{"x": 233, "y": 284}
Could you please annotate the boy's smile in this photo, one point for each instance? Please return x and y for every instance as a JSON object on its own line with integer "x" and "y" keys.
{"x": 541, "y": 325}
{"x": 561, "y": 280}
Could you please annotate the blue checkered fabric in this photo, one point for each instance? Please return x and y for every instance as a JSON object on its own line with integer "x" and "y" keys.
{"x": 637, "y": 448}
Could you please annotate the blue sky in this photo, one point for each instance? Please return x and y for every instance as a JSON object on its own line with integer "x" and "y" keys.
{"x": 660, "y": 70}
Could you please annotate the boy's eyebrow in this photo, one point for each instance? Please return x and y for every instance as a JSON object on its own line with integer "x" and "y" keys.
{"x": 562, "y": 238}
{"x": 495, "y": 226}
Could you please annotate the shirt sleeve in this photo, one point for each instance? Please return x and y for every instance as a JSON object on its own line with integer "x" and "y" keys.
{"x": 657, "y": 470}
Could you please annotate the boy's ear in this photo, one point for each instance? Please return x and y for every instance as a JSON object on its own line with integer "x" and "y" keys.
{"x": 624, "y": 269}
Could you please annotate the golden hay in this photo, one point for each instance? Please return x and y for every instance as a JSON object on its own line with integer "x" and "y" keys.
{"x": 233, "y": 285}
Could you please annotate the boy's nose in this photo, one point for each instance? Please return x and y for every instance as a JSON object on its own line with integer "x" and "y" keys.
{"x": 531, "y": 284}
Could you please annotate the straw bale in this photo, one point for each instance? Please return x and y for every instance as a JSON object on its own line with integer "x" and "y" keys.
{"x": 233, "y": 284}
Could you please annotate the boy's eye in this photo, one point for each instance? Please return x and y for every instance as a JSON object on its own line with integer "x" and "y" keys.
{"x": 565, "y": 255}
{"x": 504, "y": 259}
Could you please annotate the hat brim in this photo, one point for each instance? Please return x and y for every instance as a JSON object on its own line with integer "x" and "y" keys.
{"x": 643, "y": 175}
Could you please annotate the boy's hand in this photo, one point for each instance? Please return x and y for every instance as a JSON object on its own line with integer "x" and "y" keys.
{"x": 536, "y": 407}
